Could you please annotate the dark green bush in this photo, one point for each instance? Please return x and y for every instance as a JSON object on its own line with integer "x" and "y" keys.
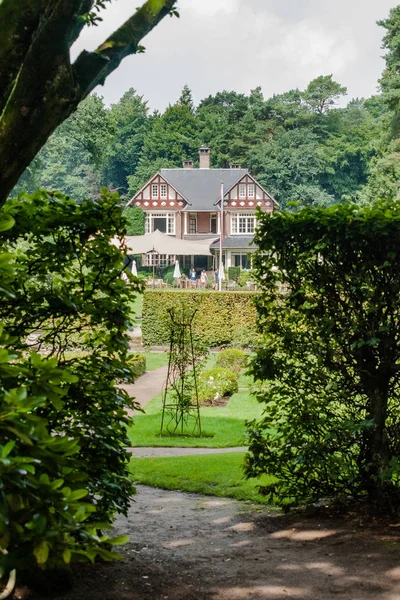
{"x": 63, "y": 420}
{"x": 232, "y": 359}
{"x": 233, "y": 273}
{"x": 329, "y": 355}
{"x": 219, "y": 315}
{"x": 217, "y": 383}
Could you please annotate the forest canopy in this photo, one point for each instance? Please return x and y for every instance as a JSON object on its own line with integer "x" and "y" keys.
{"x": 300, "y": 145}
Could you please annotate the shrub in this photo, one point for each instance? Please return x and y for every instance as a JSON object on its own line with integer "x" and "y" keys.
{"x": 233, "y": 273}
{"x": 244, "y": 277}
{"x": 330, "y": 354}
{"x": 63, "y": 420}
{"x": 244, "y": 339}
{"x": 217, "y": 383}
{"x": 232, "y": 359}
{"x": 219, "y": 315}
{"x": 137, "y": 364}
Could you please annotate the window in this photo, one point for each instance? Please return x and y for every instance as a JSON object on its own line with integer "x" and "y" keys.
{"x": 163, "y": 190}
{"x": 192, "y": 223}
{"x": 242, "y": 190}
{"x": 242, "y": 223}
{"x": 164, "y": 222}
{"x": 250, "y": 190}
{"x": 154, "y": 190}
{"x": 242, "y": 260}
{"x": 158, "y": 260}
{"x": 213, "y": 223}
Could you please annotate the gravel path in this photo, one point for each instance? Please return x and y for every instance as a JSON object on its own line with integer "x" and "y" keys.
{"x": 190, "y": 547}
{"x": 147, "y": 386}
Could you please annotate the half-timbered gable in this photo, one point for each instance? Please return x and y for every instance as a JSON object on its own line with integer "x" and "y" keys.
{"x": 158, "y": 193}
{"x": 247, "y": 194}
{"x": 186, "y": 203}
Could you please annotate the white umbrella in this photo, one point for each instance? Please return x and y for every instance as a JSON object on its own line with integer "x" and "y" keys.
{"x": 221, "y": 273}
{"x": 134, "y": 269}
{"x": 177, "y": 271}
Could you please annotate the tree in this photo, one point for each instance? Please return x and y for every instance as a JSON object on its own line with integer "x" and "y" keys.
{"x": 390, "y": 80}
{"x": 130, "y": 116}
{"x": 39, "y": 87}
{"x": 71, "y": 161}
{"x": 290, "y": 167}
{"x": 322, "y": 93}
{"x": 329, "y": 357}
{"x": 173, "y": 135}
{"x": 135, "y": 220}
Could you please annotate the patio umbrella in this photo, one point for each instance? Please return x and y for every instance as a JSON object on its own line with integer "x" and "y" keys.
{"x": 177, "y": 271}
{"x": 134, "y": 269}
{"x": 221, "y": 273}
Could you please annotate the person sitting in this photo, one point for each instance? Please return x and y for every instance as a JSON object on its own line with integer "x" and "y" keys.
{"x": 182, "y": 282}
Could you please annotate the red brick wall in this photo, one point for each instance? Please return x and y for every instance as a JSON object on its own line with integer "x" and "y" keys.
{"x": 203, "y": 222}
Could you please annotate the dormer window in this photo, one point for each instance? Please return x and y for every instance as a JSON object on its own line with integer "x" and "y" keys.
{"x": 154, "y": 190}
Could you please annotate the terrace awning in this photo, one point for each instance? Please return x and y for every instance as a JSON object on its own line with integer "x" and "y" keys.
{"x": 162, "y": 243}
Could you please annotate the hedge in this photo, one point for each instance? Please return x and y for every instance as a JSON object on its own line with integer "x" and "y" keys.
{"x": 137, "y": 362}
{"x": 219, "y": 316}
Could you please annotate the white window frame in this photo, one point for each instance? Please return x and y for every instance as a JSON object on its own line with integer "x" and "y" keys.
{"x": 241, "y": 254}
{"x": 170, "y": 224}
{"x": 242, "y": 190}
{"x": 251, "y": 190}
{"x": 163, "y": 191}
{"x": 158, "y": 260}
{"x": 154, "y": 191}
{"x": 243, "y": 223}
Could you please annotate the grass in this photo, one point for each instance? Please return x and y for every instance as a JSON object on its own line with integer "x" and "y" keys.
{"x": 136, "y": 307}
{"x": 224, "y": 424}
{"x": 154, "y": 360}
{"x": 211, "y": 474}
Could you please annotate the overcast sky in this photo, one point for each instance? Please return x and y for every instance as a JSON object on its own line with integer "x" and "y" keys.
{"x": 241, "y": 44}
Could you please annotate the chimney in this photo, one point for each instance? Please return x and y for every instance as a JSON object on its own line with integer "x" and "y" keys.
{"x": 235, "y": 166}
{"x": 188, "y": 164}
{"x": 204, "y": 154}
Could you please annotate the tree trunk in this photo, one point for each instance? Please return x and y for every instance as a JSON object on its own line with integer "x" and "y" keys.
{"x": 376, "y": 454}
{"x": 40, "y": 88}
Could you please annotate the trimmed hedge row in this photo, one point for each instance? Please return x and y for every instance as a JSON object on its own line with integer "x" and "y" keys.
{"x": 219, "y": 316}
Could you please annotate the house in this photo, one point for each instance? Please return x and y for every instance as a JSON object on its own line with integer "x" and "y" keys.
{"x": 186, "y": 203}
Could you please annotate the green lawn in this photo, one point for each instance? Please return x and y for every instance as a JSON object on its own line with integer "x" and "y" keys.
{"x": 224, "y": 424}
{"x": 136, "y": 307}
{"x": 154, "y": 360}
{"x": 212, "y": 474}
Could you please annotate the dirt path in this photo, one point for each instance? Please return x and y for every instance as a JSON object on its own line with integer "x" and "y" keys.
{"x": 189, "y": 547}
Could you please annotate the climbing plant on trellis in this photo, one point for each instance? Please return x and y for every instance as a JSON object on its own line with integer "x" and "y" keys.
{"x": 181, "y": 412}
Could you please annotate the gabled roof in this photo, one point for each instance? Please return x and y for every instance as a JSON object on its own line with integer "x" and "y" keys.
{"x": 201, "y": 187}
